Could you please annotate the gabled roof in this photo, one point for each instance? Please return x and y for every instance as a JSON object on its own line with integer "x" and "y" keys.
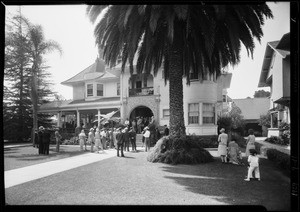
{"x": 284, "y": 43}
{"x": 94, "y": 71}
{"x": 270, "y": 49}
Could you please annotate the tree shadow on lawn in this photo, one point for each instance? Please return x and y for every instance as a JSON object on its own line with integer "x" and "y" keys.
{"x": 225, "y": 183}
{"x": 63, "y": 153}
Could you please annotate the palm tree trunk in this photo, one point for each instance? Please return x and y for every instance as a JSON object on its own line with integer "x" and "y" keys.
{"x": 177, "y": 127}
{"x": 34, "y": 103}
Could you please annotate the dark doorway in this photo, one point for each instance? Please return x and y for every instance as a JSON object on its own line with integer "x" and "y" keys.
{"x": 141, "y": 111}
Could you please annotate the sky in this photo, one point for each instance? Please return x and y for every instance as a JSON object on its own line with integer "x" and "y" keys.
{"x": 69, "y": 26}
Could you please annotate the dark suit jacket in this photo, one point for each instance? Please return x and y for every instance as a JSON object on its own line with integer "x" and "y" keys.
{"x": 46, "y": 137}
{"x": 120, "y": 138}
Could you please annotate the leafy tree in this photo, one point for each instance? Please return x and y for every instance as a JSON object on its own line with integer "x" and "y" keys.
{"x": 261, "y": 93}
{"x": 26, "y": 76}
{"x": 265, "y": 120}
{"x": 184, "y": 38}
{"x": 37, "y": 47}
{"x": 16, "y": 74}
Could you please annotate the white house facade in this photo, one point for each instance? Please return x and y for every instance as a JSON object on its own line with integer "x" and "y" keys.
{"x": 100, "y": 90}
{"x": 275, "y": 74}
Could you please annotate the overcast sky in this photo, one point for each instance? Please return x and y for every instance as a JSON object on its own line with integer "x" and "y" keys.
{"x": 69, "y": 26}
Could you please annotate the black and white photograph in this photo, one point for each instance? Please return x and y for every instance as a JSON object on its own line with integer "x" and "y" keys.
{"x": 149, "y": 105}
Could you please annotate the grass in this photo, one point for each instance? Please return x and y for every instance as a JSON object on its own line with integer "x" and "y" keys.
{"x": 155, "y": 183}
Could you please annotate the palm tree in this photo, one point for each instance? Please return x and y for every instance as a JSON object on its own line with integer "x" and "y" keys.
{"x": 184, "y": 38}
{"x": 37, "y": 47}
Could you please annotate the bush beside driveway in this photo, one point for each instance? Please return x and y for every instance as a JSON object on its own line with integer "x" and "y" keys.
{"x": 135, "y": 181}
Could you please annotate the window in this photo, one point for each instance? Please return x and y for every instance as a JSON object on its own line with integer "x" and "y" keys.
{"x": 193, "y": 113}
{"x": 99, "y": 89}
{"x": 89, "y": 89}
{"x": 224, "y": 98}
{"x": 208, "y": 113}
{"x": 166, "y": 113}
{"x": 118, "y": 89}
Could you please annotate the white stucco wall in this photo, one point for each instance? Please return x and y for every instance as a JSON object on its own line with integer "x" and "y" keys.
{"x": 79, "y": 92}
{"x": 277, "y": 78}
{"x": 110, "y": 89}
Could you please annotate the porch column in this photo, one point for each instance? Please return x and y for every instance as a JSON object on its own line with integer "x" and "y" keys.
{"x": 78, "y": 118}
{"x": 271, "y": 120}
{"x": 99, "y": 118}
{"x": 58, "y": 118}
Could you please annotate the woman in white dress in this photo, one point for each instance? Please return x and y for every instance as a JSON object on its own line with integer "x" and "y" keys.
{"x": 91, "y": 139}
{"x": 222, "y": 148}
{"x": 250, "y": 142}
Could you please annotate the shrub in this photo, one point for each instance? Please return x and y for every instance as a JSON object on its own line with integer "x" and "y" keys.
{"x": 277, "y": 140}
{"x": 281, "y": 159}
{"x": 183, "y": 150}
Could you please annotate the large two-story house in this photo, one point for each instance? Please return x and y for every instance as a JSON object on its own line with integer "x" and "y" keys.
{"x": 100, "y": 90}
{"x": 275, "y": 73}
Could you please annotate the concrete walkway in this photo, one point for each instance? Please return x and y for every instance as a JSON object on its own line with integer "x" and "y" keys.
{"x": 33, "y": 172}
{"x": 29, "y": 173}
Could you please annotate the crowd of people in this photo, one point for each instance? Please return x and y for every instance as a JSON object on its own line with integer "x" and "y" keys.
{"x": 229, "y": 152}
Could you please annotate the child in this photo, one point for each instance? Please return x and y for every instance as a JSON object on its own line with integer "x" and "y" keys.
{"x": 253, "y": 161}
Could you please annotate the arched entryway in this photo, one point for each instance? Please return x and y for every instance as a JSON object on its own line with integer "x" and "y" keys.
{"x": 141, "y": 111}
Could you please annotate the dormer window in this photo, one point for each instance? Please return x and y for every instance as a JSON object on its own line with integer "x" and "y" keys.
{"x": 99, "y": 89}
{"x": 89, "y": 89}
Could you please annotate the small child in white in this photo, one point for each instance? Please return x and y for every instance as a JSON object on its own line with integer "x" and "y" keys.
{"x": 253, "y": 161}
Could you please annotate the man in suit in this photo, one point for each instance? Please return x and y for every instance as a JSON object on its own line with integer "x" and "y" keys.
{"x": 126, "y": 139}
{"x": 120, "y": 141}
{"x": 40, "y": 140}
{"x": 46, "y": 141}
{"x": 132, "y": 138}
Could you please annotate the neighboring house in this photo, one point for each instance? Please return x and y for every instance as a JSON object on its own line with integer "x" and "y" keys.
{"x": 275, "y": 73}
{"x": 99, "y": 90}
{"x": 252, "y": 109}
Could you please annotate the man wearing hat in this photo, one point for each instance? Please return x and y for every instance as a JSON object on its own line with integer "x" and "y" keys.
{"x": 120, "y": 141}
{"x": 57, "y": 138}
{"x": 222, "y": 148}
{"x": 147, "y": 139}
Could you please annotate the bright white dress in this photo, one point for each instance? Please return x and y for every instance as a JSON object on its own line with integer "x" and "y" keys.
{"x": 222, "y": 148}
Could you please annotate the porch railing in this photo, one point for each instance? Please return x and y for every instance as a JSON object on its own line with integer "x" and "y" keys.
{"x": 141, "y": 91}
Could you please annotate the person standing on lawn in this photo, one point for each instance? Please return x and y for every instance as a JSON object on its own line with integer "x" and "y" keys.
{"x": 57, "y": 138}
{"x": 146, "y": 135}
{"x": 132, "y": 138}
{"x": 91, "y": 139}
{"x": 82, "y": 138}
{"x": 46, "y": 141}
{"x": 126, "y": 139}
{"x": 253, "y": 161}
{"x": 120, "y": 141}
{"x": 103, "y": 138}
{"x": 98, "y": 140}
{"x": 222, "y": 148}
{"x": 40, "y": 140}
{"x": 250, "y": 142}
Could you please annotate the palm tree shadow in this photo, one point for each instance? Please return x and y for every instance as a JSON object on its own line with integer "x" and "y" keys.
{"x": 224, "y": 183}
